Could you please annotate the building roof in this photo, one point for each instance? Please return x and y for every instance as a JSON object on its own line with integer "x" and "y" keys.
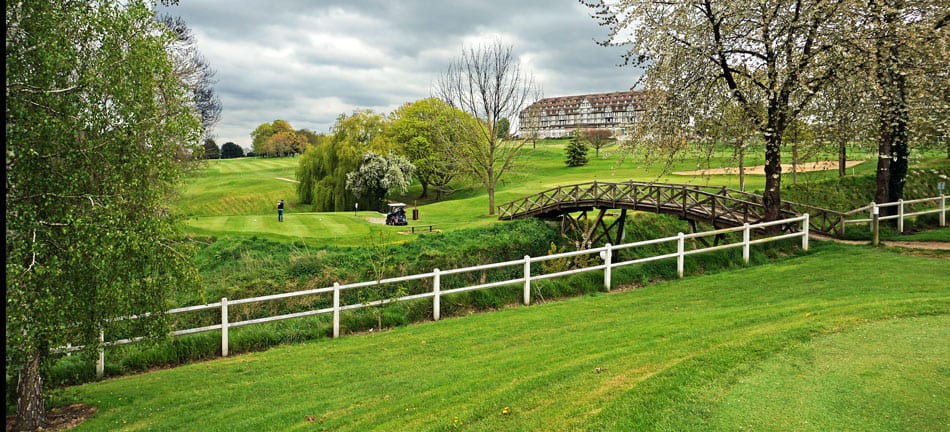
{"x": 598, "y": 102}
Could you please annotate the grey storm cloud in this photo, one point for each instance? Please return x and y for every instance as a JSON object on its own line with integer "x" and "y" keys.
{"x": 307, "y": 62}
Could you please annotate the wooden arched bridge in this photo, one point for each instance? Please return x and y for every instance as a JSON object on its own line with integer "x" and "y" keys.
{"x": 718, "y": 206}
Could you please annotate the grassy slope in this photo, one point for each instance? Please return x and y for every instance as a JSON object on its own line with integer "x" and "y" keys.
{"x": 238, "y": 196}
{"x": 796, "y": 345}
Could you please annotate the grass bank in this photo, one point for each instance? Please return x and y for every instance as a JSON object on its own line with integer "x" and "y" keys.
{"x": 844, "y": 338}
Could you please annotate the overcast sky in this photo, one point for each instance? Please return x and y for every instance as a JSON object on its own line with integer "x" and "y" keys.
{"x": 307, "y": 62}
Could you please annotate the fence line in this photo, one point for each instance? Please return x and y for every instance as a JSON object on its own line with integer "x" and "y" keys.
{"x": 874, "y": 209}
{"x": 605, "y": 253}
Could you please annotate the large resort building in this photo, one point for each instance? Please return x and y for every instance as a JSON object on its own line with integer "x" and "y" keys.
{"x": 560, "y": 116}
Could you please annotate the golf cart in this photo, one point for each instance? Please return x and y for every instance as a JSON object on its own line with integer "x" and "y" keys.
{"x": 397, "y": 214}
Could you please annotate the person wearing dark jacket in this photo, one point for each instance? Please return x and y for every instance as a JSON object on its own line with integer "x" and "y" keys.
{"x": 280, "y": 211}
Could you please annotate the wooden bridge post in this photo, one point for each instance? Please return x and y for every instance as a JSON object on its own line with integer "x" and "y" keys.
{"x": 805, "y": 232}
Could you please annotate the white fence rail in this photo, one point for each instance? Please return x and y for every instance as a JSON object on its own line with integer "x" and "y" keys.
{"x": 605, "y": 253}
{"x": 940, "y": 206}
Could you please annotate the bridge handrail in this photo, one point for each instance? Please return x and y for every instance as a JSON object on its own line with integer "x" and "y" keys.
{"x": 825, "y": 221}
{"x": 505, "y": 210}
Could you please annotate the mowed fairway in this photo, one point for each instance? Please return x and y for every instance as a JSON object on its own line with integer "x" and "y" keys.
{"x": 239, "y": 196}
{"x": 842, "y": 338}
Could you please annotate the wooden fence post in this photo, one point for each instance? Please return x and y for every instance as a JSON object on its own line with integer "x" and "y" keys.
{"x": 336, "y": 310}
{"x": 608, "y": 258}
{"x": 436, "y": 287}
{"x": 806, "y": 229}
{"x": 224, "y": 326}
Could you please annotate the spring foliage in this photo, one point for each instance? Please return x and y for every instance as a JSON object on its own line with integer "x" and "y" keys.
{"x": 97, "y": 122}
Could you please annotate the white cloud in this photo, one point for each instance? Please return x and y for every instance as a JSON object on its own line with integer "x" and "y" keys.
{"x": 308, "y": 62}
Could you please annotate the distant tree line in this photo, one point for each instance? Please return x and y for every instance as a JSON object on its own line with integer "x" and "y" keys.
{"x": 279, "y": 138}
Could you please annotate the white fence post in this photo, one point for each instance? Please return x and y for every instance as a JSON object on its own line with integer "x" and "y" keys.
{"x": 900, "y": 216}
{"x": 943, "y": 210}
{"x": 746, "y": 237}
{"x": 224, "y": 326}
{"x": 101, "y": 363}
{"x": 608, "y": 257}
{"x": 336, "y": 310}
{"x": 806, "y": 230}
{"x": 436, "y": 282}
{"x": 873, "y": 210}
{"x": 527, "y": 280}
{"x": 680, "y": 254}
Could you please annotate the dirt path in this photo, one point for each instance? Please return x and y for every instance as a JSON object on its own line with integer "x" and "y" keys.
{"x": 760, "y": 169}
{"x": 902, "y": 244}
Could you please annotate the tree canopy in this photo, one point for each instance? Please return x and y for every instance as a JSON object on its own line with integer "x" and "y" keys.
{"x": 322, "y": 169}
{"x": 378, "y": 176}
{"x": 487, "y": 82}
{"x": 779, "y": 64}
{"x": 425, "y": 131}
{"x": 279, "y": 138}
{"x": 96, "y": 117}
{"x": 231, "y": 150}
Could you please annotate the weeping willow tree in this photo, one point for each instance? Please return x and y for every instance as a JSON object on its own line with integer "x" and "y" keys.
{"x": 323, "y": 168}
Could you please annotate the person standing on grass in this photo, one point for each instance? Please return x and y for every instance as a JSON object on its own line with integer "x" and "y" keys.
{"x": 280, "y": 211}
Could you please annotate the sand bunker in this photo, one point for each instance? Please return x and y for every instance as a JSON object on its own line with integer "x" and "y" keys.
{"x": 760, "y": 169}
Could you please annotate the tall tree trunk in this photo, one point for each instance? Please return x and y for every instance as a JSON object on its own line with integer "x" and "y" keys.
{"x": 893, "y": 148}
{"x": 772, "y": 198}
{"x": 795, "y": 161}
{"x": 425, "y": 189}
{"x": 491, "y": 200}
{"x": 883, "y": 168}
{"x": 900, "y": 151}
{"x": 842, "y": 158}
{"x": 30, "y": 407}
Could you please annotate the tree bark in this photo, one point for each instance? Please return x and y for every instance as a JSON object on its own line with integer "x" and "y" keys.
{"x": 772, "y": 198}
{"x": 30, "y": 407}
{"x": 842, "y": 159}
{"x": 425, "y": 189}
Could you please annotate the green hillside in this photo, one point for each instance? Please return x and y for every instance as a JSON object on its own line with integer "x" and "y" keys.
{"x": 800, "y": 345}
{"x": 238, "y": 196}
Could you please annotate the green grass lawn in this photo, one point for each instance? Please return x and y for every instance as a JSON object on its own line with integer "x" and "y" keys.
{"x": 239, "y": 196}
{"x": 843, "y": 338}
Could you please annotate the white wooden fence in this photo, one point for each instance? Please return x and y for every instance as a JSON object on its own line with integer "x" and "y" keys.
{"x": 605, "y": 253}
{"x": 940, "y": 204}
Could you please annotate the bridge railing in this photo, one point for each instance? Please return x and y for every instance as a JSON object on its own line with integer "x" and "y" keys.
{"x": 723, "y": 206}
{"x": 715, "y": 204}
